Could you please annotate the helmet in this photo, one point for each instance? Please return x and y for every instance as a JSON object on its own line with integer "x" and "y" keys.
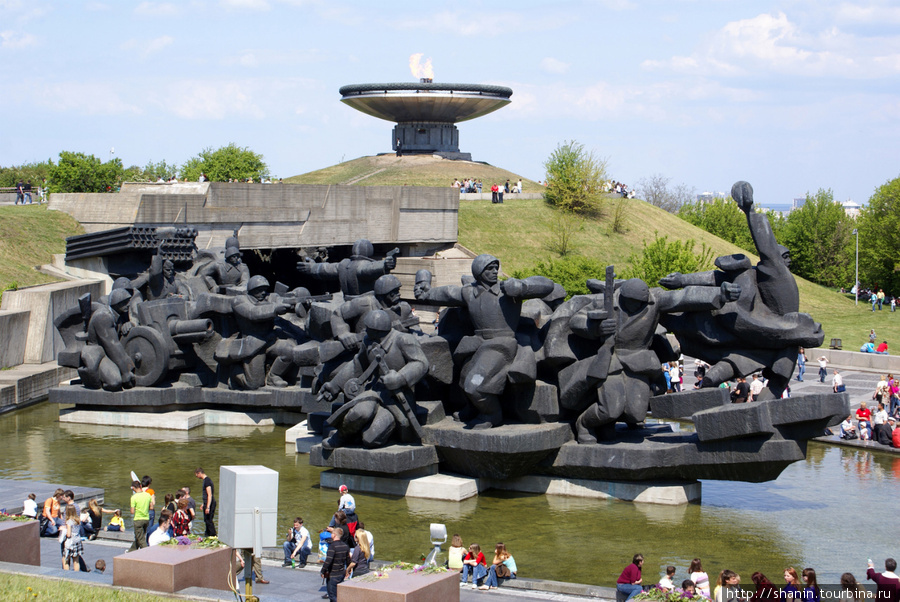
{"x": 378, "y": 320}
{"x": 386, "y": 284}
{"x": 231, "y": 251}
{"x": 257, "y": 282}
{"x": 480, "y": 263}
{"x": 123, "y": 283}
{"x": 118, "y": 297}
{"x": 363, "y": 248}
{"x": 635, "y": 289}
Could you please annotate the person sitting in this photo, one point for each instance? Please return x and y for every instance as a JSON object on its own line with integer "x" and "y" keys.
{"x": 895, "y": 434}
{"x": 503, "y": 567}
{"x": 116, "y": 523}
{"x": 867, "y": 348}
{"x": 161, "y": 533}
{"x": 455, "y": 553}
{"x": 848, "y": 430}
{"x": 359, "y": 556}
{"x": 298, "y": 544}
{"x": 29, "y": 506}
{"x": 689, "y": 589}
{"x": 864, "y": 422}
{"x": 884, "y": 433}
{"x": 629, "y": 582}
{"x": 666, "y": 583}
{"x": 883, "y": 348}
{"x": 473, "y": 564}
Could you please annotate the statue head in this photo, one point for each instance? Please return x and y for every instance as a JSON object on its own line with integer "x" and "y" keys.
{"x": 233, "y": 255}
{"x": 785, "y": 255}
{"x": 423, "y": 282}
{"x": 363, "y": 248}
{"x": 387, "y": 289}
{"x": 485, "y": 268}
{"x": 378, "y": 324}
{"x": 118, "y": 300}
{"x": 634, "y": 295}
{"x": 232, "y": 241}
{"x": 123, "y": 283}
{"x": 258, "y": 287}
{"x": 169, "y": 270}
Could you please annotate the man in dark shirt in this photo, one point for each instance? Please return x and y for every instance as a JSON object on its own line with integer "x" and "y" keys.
{"x": 335, "y": 563}
{"x": 209, "y": 502}
{"x": 741, "y": 390}
{"x": 887, "y": 583}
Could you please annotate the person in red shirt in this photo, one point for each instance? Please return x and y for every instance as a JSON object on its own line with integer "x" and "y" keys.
{"x": 882, "y": 348}
{"x": 629, "y": 581}
{"x": 475, "y": 564}
{"x": 887, "y": 583}
{"x": 494, "y": 193}
{"x": 864, "y": 421}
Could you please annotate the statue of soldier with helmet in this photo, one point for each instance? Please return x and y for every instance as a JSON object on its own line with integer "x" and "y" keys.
{"x": 494, "y": 309}
{"x": 356, "y": 274}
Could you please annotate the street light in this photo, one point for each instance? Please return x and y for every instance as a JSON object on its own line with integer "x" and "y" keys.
{"x": 856, "y": 285}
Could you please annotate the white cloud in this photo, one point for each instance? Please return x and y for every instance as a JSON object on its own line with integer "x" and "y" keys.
{"x": 85, "y": 98}
{"x": 246, "y": 4}
{"x": 773, "y": 44}
{"x": 552, "y": 65}
{"x": 145, "y": 48}
{"x": 15, "y": 40}
{"x": 879, "y": 15}
{"x": 488, "y": 23}
{"x": 157, "y": 9}
{"x": 212, "y": 100}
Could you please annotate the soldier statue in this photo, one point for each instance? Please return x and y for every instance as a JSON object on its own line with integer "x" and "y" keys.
{"x": 356, "y": 274}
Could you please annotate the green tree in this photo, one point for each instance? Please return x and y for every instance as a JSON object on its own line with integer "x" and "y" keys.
{"x": 879, "y": 238}
{"x": 78, "y": 172}
{"x": 662, "y": 257}
{"x": 575, "y": 179}
{"x": 36, "y": 173}
{"x": 154, "y": 171}
{"x": 820, "y": 237}
{"x": 226, "y": 163}
{"x": 724, "y": 218}
{"x": 571, "y": 272}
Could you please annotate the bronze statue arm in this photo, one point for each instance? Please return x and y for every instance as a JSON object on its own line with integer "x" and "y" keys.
{"x": 108, "y": 337}
{"x": 450, "y": 296}
{"x": 416, "y": 363}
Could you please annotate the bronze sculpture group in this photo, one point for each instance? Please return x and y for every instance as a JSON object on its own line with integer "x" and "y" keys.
{"x": 366, "y": 358}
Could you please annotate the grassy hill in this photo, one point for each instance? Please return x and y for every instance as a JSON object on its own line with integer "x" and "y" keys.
{"x": 518, "y": 232}
{"x": 29, "y": 236}
{"x": 410, "y": 170}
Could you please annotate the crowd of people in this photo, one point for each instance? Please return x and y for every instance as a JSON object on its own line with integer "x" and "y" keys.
{"x": 346, "y": 545}
{"x": 24, "y": 193}
{"x": 797, "y": 586}
{"x": 62, "y": 517}
{"x": 880, "y": 425}
{"x": 473, "y": 185}
{"x": 472, "y": 562}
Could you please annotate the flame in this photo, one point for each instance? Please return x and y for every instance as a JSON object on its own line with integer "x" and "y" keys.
{"x": 420, "y": 70}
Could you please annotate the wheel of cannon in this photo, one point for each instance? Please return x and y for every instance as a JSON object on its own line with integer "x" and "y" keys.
{"x": 148, "y": 349}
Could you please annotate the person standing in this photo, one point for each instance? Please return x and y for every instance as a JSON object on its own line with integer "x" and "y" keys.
{"x": 209, "y": 502}
{"x": 20, "y": 192}
{"x": 335, "y": 563}
{"x": 837, "y": 382}
{"x": 27, "y": 190}
{"x": 880, "y": 297}
{"x": 675, "y": 376}
{"x": 494, "y": 191}
{"x": 823, "y": 368}
{"x": 801, "y": 364}
{"x": 140, "y": 509}
{"x": 629, "y": 582}
{"x": 399, "y": 148}
{"x": 756, "y": 388}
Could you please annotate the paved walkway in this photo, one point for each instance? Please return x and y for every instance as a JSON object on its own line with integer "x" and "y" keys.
{"x": 13, "y": 493}
{"x": 286, "y": 584}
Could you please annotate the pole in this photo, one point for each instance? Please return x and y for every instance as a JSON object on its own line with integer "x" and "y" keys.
{"x": 856, "y": 287}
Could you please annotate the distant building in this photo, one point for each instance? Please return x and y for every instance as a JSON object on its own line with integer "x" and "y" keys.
{"x": 708, "y": 197}
{"x": 798, "y": 202}
{"x": 851, "y": 208}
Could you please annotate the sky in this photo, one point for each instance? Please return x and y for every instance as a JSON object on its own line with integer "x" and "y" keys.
{"x": 791, "y": 95}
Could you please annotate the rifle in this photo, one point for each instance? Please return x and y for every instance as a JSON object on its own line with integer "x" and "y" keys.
{"x": 399, "y": 394}
{"x": 282, "y": 290}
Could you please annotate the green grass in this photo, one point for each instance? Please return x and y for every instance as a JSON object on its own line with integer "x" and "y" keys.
{"x": 411, "y": 170}
{"x": 16, "y": 588}
{"x": 29, "y": 236}
{"x": 518, "y": 233}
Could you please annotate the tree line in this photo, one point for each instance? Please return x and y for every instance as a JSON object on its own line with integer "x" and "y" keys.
{"x": 81, "y": 172}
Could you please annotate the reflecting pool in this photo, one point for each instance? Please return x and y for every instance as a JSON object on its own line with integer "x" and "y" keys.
{"x": 831, "y": 512}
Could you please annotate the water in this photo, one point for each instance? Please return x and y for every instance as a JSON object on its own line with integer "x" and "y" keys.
{"x": 831, "y": 512}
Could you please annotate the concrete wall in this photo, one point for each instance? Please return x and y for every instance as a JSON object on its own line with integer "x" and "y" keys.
{"x": 271, "y": 216}
{"x": 13, "y": 333}
{"x": 854, "y": 359}
{"x": 45, "y": 303}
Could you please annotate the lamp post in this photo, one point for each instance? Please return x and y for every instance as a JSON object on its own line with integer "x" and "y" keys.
{"x": 856, "y": 284}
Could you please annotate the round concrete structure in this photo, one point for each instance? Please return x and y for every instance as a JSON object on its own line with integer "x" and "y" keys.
{"x": 425, "y": 112}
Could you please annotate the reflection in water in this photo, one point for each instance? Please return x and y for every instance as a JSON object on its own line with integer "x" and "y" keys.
{"x": 747, "y": 527}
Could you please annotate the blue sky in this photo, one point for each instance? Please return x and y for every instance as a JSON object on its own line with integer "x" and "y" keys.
{"x": 790, "y": 95}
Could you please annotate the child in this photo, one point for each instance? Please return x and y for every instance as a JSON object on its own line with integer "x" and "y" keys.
{"x": 475, "y": 564}
{"x": 665, "y": 583}
{"x": 456, "y": 553}
{"x": 29, "y": 506}
{"x": 688, "y": 588}
{"x": 100, "y": 566}
{"x": 116, "y": 523}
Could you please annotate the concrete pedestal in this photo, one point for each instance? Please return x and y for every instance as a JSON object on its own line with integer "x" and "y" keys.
{"x": 177, "y": 420}
{"x": 437, "y": 487}
{"x": 400, "y": 586}
{"x": 20, "y": 542}
{"x": 173, "y": 568}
